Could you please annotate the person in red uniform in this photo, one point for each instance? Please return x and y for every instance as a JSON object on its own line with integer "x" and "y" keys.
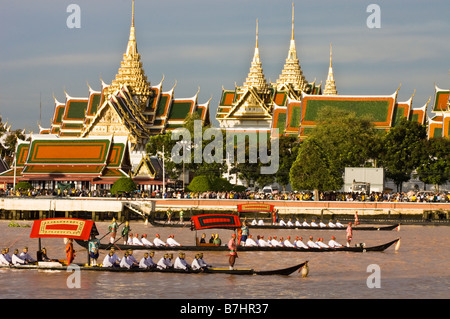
{"x": 70, "y": 252}
{"x": 232, "y": 246}
{"x": 349, "y": 234}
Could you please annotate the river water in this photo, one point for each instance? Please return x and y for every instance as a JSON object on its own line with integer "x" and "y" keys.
{"x": 419, "y": 269}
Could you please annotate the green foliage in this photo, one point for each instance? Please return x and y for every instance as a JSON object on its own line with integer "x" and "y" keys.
{"x": 340, "y": 139}
{"x": 204, "y": 183}
{"x": 23, "y": 185}
{"x": 435, "y": 166}
{"x": 403, "y": 150}
{"x": 123, "y": 185}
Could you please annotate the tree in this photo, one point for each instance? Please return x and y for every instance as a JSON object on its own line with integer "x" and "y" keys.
{"x": 340, "y": 139}
{"x": 403, "y": 150}
{"x": 123, "y": 185}
{"x": 435, "y": 166}
{"x": 23, "y": 185}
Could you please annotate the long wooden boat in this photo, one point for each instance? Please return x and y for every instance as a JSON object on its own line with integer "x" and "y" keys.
{"x": 58, "y": 266}
{"x": 270, "y": 226}
{"x": 210, "y": 247}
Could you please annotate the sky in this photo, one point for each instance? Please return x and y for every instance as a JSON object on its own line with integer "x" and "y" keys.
{"x": 209, "y": 44}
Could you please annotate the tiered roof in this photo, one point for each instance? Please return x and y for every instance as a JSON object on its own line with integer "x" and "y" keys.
{"x": 439, "y": 123}
{"x": 53, "y": 158}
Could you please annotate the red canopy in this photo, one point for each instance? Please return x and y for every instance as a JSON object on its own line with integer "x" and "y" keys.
{"x": 255, "y": 207}
{"x": 63, "y": 228}
{"x": 216, "y": 221}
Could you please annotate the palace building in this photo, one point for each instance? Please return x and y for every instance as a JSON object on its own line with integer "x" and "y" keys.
{"x": 439, "y": 123}
{"x": 97, "y": 139}
{"x": 291, "y": 104}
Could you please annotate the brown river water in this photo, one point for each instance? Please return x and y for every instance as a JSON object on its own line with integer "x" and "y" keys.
{"x": 419, "y": 269}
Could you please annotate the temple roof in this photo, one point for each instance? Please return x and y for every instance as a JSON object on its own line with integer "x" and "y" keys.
{"x": 292, "y": 73}
{"x": 330, "y": 85}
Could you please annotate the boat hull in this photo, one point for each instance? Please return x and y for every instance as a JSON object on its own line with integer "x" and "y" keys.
{"x": 358, "y": 248}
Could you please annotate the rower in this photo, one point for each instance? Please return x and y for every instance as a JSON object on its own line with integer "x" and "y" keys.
{"x": 299, "y": 243}
{"x": 164, "y": 262}
{"x": 333, "y": 243}
{"x": 131, "y": 260}
{"x": 305, "y": 223}
{"x": 313, "y": 223}
{"x": 250, "y": 242}
{"x": 145, "y": 241}
{"x": 297, "y": 223}
{"x": 146, "y": 262}
{"x": 26, "y": 256}
{"x": 260, "y": 222}
{"x": 275, "y": 242}
{"x": 263, "y": 243}
{"x": 290, "y": 223}
{"x": 322, "y": 224}
{"x": 3, "y": 259}
{"x": 282, "y": 223}
{"x": 180, "y": 262}
{"x": 202, "y": 262}
{"x": 111, "y": 260}
{"x": 320, "y": 243}
{"x": 254, "y": 222}
{"x": 172, "y": 242}
{"x": 338, "y": 224}
{"x": 124, "y": 262}
{"x": 287, "y": 242}
{"x": 311, "y": 243}
{"x": 137, "y": 241}
{"x": 331, "y": 224}
{"x": 196, "y": 263}
{"x": 130, "y": 239}
{"x": 158, "y": 242}
{"x": 16, "y": 260}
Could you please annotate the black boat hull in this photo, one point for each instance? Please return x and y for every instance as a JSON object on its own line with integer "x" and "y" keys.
{"x": 283, "y": 271}
{"x": 381, "y": 247}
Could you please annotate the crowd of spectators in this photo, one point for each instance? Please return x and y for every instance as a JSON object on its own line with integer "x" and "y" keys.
{"x": 421, "y": 196}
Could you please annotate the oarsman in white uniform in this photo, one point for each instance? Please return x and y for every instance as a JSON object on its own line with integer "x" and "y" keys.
{"x": 314, "y": 224}
{"x": 158, "y": 242}
{"x": 299, "y": 243}
{"x": 202, "y": 262}
{"x": 322, "y": 224}
{"x": 260, "y": 222}
{"x": 26, "y": 256}
{"x": 196, "y": 263}
{"x": 305, "y": 224}
{"x": 172, "y": 242}
{"x": 275, "y": 243}
{"x": 297, "y": 222}
{"x": 290, "y": 223}
{"x": 262, "y": 242}
{"x": 137, "y": 241}
{"x": 254, "y": 222}
{"x": 145, "y": 241}
{"x": 130, "y": 239}
{"x": 131, "y": 260}
{"x": 3, "y": 259}
{"x": 124, "y": 261}
{"x": 146, "y": 262}
{"x": 164, "y": 262}
{"x": 320, "y": 243}
{"x": 333, "y": 243}
{"x": 282, "y": 223}
{"x": 111, "y": 260}
{"x": 338, "y": 224}
{"x": 331, "y": 224}
{"x": 17, "y": 260}
{"x": 180, "y": 262}
{"x": 311, "y": 243}
{"x": 287, "y": 242}
{"x": 250, "y": 242}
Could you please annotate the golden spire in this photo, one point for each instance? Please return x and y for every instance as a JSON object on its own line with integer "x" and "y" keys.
{"x": 330, "y": 85}
{"x": 131, "y": 72}
{"x": 256, "y": 77}
{"x": 292, "y": 72}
